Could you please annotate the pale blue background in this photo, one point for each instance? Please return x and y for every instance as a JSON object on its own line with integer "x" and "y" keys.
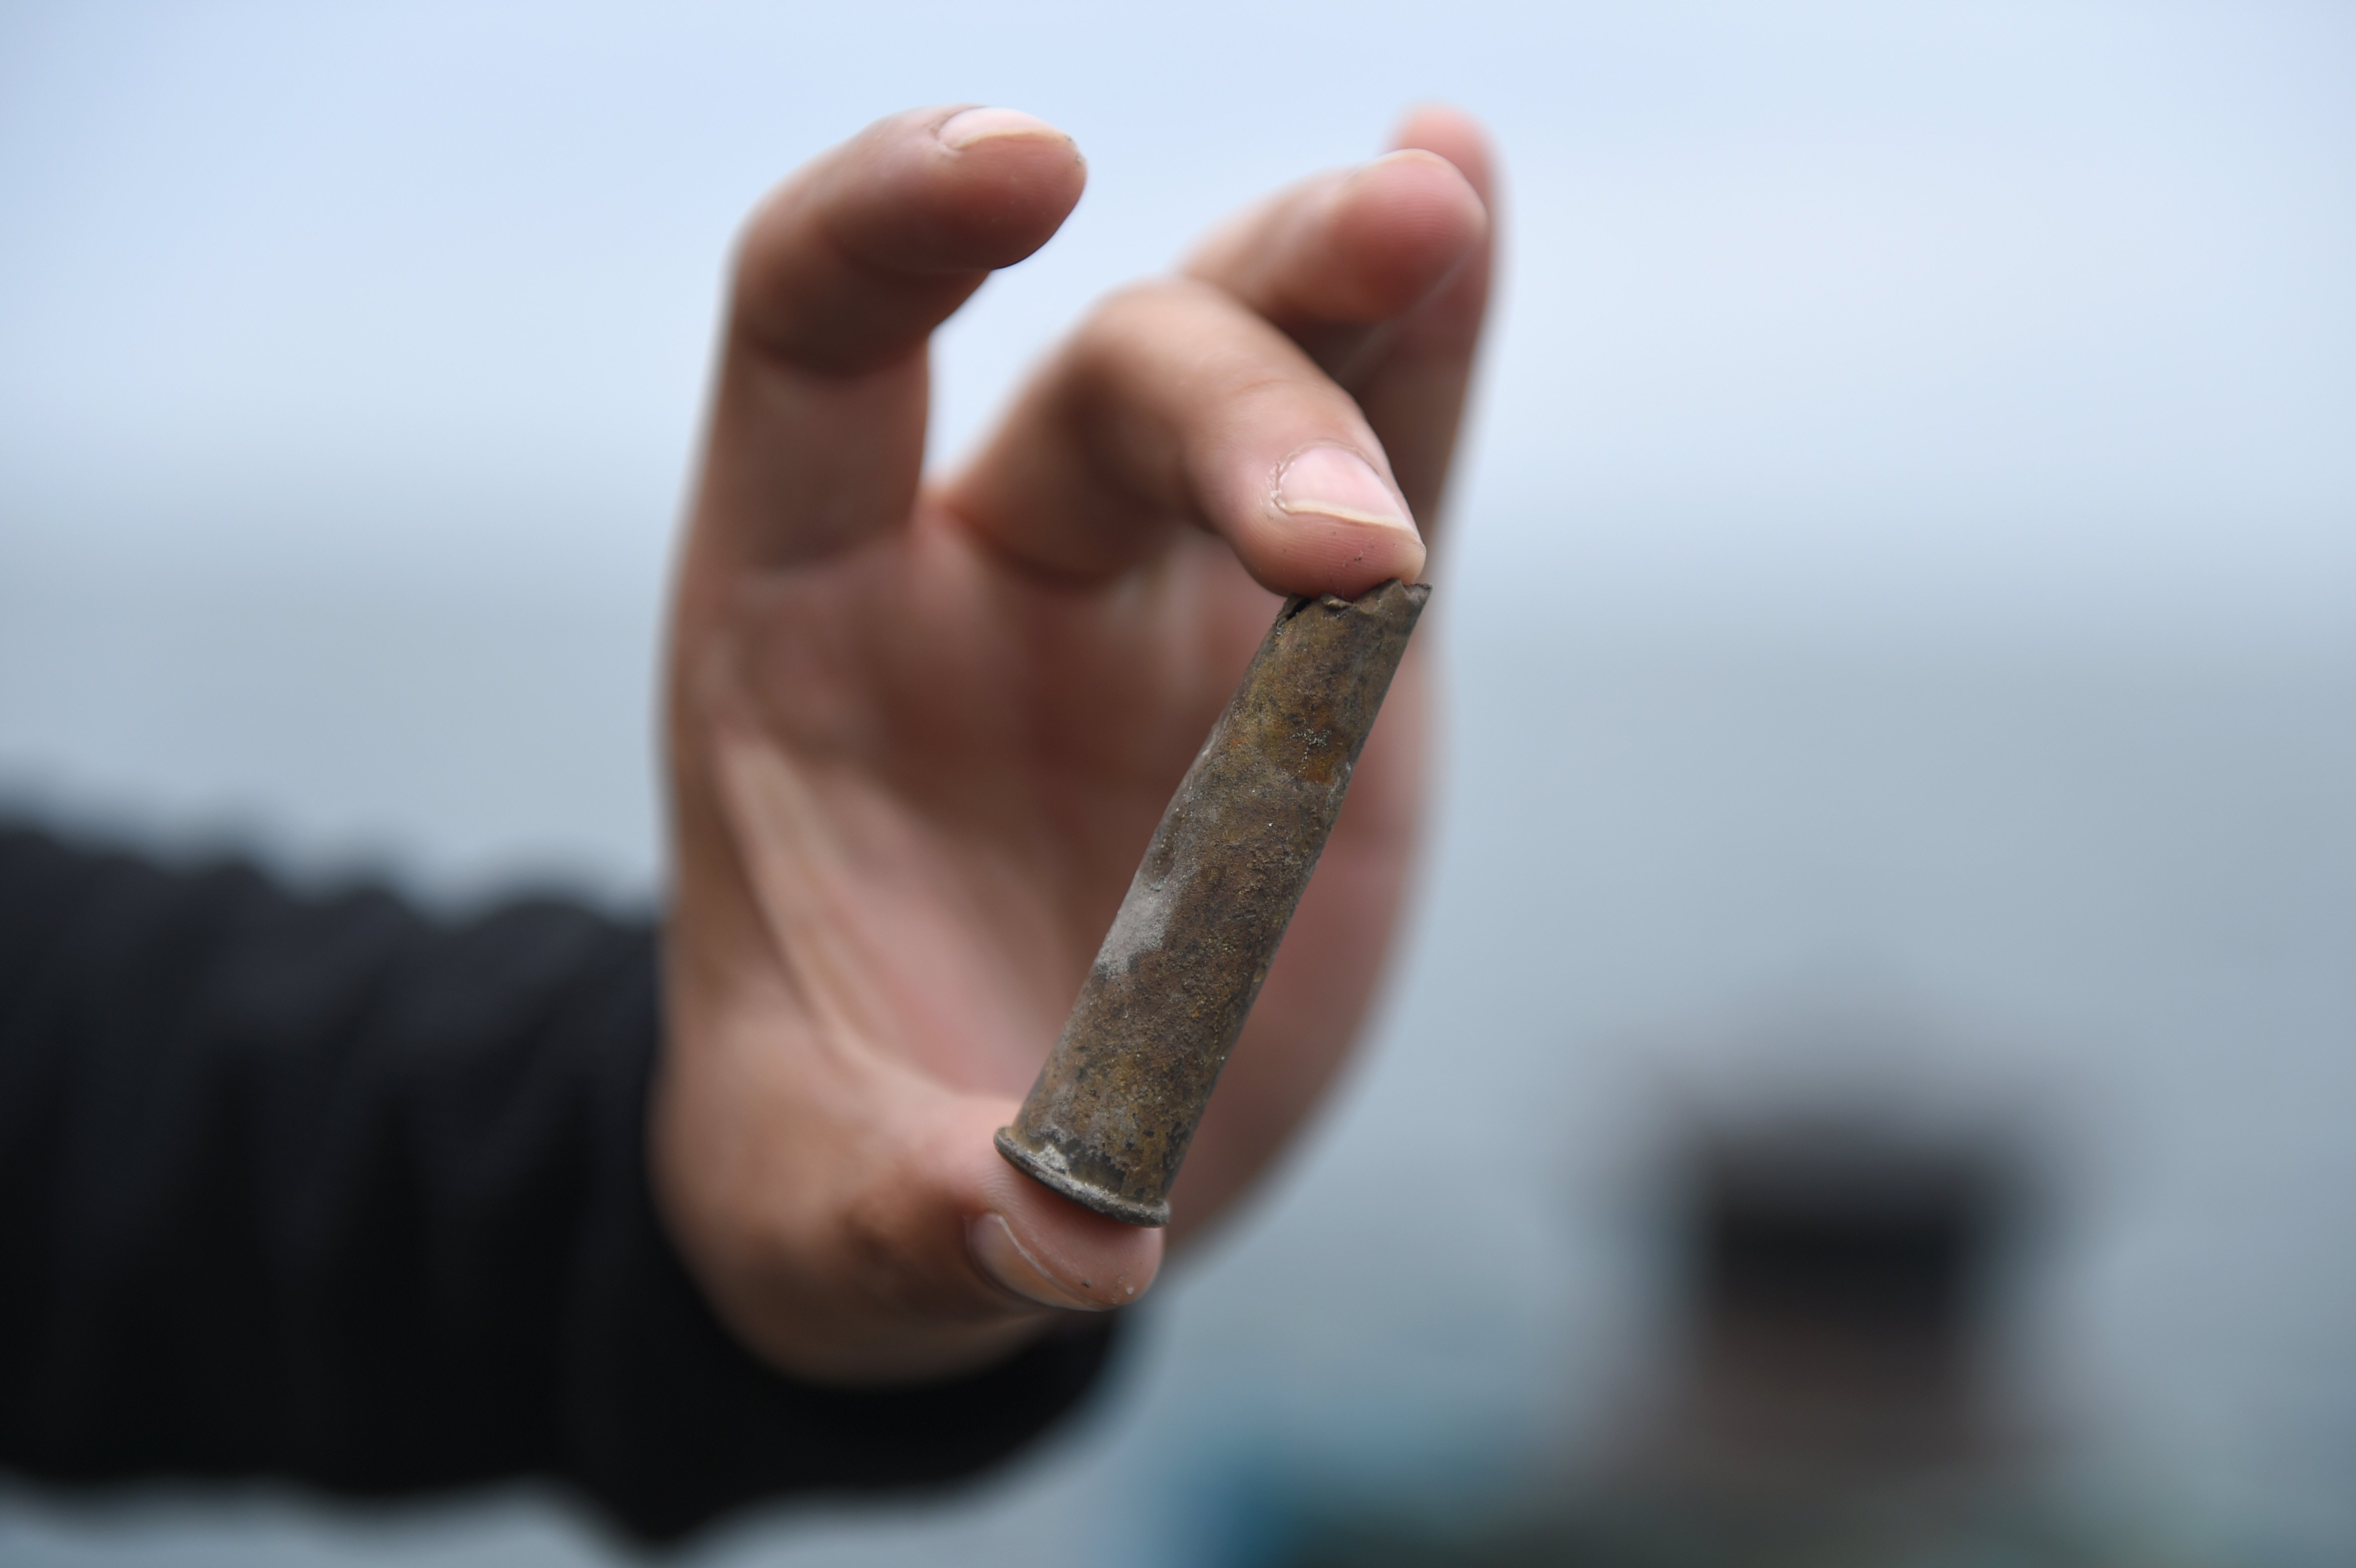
{"x": 1902, "y": 600}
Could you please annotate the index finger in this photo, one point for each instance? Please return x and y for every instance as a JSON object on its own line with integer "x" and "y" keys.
{"x": 1382, "y": 274}
{"x": 818, "y": 420}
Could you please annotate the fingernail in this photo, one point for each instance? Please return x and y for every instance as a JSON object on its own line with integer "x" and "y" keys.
{"x": 1334, "y": 481}
{"x": 968, "y": 126}
{"x": 1002, "y": 1258}
{"x": 1398, "y": 155}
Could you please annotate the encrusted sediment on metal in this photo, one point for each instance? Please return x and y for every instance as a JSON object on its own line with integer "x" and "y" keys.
{"x": 1046, "y": 1167}
{"x": 1109, "y": 1121}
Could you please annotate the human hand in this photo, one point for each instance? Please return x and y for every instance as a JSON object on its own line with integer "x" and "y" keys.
{"x": 920, "y": 732}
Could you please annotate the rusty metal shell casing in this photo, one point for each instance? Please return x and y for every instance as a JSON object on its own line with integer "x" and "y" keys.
{"x": 1109, "y": 1118}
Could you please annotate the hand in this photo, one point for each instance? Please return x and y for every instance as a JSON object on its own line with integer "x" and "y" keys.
{"x": 919, "y": 732}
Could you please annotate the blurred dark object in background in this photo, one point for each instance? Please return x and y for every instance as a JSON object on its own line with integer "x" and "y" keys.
{"x": 1826, "y": 1401}
{"x": 1838, "y": 1278}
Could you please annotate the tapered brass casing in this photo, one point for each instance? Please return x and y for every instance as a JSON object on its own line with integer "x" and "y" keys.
{"x": 1109, "y": 1118}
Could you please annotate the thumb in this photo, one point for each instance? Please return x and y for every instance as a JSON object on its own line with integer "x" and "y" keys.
{"x": 1036, "y": 1244}
{"x": 874, "y": 1235}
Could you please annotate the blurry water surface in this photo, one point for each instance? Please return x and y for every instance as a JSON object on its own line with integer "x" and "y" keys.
{"x": 1902, "y": 620}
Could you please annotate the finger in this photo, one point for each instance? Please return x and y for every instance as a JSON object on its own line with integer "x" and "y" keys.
{"x": 845, "y": 1210}
{"x": 819, "y": 416}
{"x": 1042, "y": 1248}
{"x": 914, "y": 1250}
{"x": 936, "y": 1227}
{"x": 1383, "y": 274}
{"x": 1339, "y": 256}
{"x": 1174, "y": 406}
{"x": 1414, "y": 390}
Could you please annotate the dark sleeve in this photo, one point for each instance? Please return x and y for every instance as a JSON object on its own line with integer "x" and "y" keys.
{"x": 323, "y": 1189}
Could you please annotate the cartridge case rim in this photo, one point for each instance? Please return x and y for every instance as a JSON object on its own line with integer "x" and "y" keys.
{"x": 1044, "y": 1168}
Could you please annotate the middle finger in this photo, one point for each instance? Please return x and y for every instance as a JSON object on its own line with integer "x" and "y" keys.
{"x": 1176, "y": 405}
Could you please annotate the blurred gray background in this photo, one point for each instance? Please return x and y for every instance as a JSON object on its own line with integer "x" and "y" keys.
{"x": 1901, "y": 605}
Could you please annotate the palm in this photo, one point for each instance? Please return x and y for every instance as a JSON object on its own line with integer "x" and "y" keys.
{"x": 948, "y": 802}
{"x": 920, "y": 736}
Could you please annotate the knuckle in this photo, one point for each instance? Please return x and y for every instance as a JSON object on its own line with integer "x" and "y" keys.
{"x": 1142, "y": 312}
{"x": 887, "y": 1262}
{"x": 1176, "y": 342}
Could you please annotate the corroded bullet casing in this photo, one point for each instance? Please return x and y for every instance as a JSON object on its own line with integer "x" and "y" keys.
{"x": 1109, "y": 1118}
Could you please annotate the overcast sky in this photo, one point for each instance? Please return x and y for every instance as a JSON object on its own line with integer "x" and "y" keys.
{"x": 1978, "y": 313}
